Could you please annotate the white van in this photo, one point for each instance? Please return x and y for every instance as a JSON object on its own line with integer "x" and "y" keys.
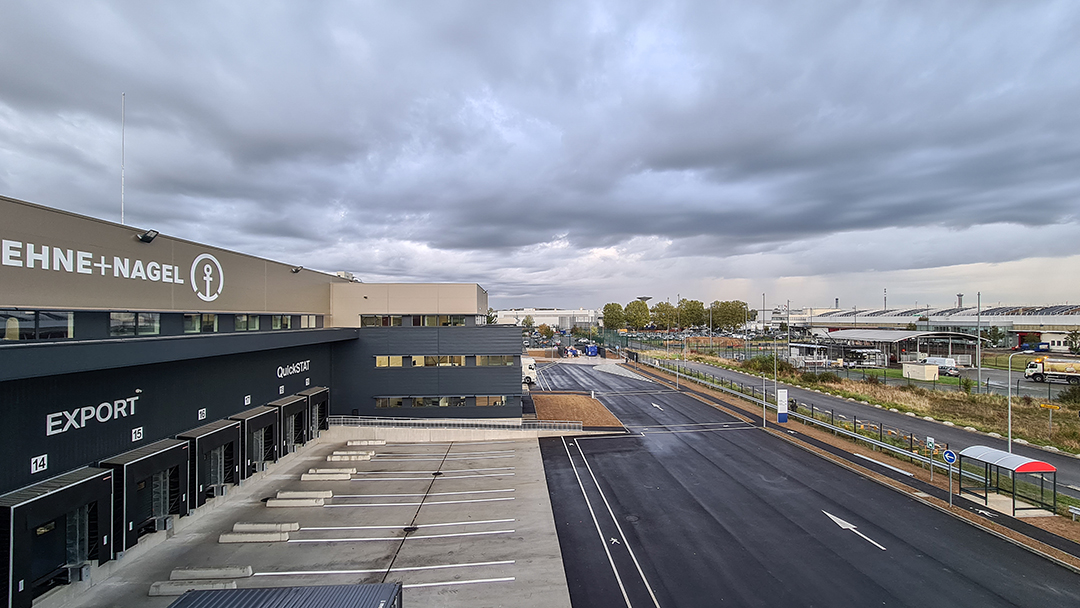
{"x": 940, "y": 361}
{"x": 528, "y": 370}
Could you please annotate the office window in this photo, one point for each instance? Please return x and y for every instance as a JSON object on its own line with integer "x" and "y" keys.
{"x": 489, "y": 360}
{"x": 280, "y": 322}
{"x": 490, "y": 400}
{"x": 388, "y": 361}
{"x": 18, "y": 325}
{"x": 55, "y": 325}
{"x": 195, "y": 323}
{"x": 431, "y": 320}
{"x": 455, "y": 321}
{"x": 422, "y": 401}
{"x": 388, "y": 402}
{"x": 121, "y": 324}
{"x": 247, "y": 322}
{"x": 369, "y": 321}
{"x": 417, "y": 360}
{"x": 451, "y": 401}
{"x": 308, "y": 321}
{"x": 148, "y": 323}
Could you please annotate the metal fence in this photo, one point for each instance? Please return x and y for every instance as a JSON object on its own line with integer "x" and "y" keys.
{"x": 444, "y": 423}
{"x": 886, "y": 435}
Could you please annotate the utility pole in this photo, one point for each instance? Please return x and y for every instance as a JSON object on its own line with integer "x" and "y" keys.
{"x": 764, "y": 394}
{"x": 978, "y": 339}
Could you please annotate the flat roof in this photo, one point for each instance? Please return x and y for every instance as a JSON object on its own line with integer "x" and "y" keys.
{"x": 890, "y": 335}
{"x": 1006, "y": 460}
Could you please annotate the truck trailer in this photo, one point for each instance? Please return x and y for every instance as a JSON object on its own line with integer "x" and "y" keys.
{"x": 1045, "y": 369}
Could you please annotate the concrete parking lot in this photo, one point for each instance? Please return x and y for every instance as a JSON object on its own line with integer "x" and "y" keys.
{"x": 464, "y": 523}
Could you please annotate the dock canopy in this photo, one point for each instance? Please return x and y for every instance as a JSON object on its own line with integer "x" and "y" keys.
{"x": 1026, "y": 478}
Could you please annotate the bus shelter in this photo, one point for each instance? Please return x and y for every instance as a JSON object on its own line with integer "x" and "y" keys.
{"x": 1031, "y": 480}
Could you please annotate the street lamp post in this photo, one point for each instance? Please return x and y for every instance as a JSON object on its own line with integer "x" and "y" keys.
{"x": 1025, "y": 352}
{"x": 764, "y": 394}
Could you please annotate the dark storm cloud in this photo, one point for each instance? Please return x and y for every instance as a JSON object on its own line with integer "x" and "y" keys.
{"x": 453, "y": 140}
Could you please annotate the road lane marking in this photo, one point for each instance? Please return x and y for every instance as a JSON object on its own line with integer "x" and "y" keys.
{"x": 658, "y": 407}
{"x": 849, "y": 526}
{"x": 416, "y": 504}
{"x": 507, "y": 562}
{"x": 618, "y": 527}
{"x": 588, "y": 503}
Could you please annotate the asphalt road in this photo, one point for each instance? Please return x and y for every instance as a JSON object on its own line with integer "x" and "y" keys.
{"x": 700, "y": 509}
{"x": 1068, "y": 475}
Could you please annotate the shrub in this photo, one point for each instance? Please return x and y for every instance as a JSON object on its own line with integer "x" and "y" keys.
{"x": 871, "y": 379}
{"x": 1070, "y": 394}
{"x": 828, "y": 378}
{"x": 966, "y": 384}
{"x": 809, "y": 378}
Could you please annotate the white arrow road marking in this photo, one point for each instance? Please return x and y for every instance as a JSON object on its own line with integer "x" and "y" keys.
{"x": 658, "y": 407}
{"x": 849, "y": 526}
{"x": 615, "y": 541}
{"x": 986, "y": 513}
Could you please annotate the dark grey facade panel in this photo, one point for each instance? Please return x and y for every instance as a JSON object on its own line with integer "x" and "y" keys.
{"x": 78, "y": 419}
{"x": 33, "y": 360}
{"x": 358, "y": 382}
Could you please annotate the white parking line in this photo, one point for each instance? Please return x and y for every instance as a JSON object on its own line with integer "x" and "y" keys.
{"x": 430, "y": 472}
{"x": 416, "y": 504}
{"x": 427, "y": 478}
{"x": 507, "y": 562}
{"x": 421, "y": 494}
{"x": 397, "y": 538}
{"x": 451, "y": 453}
{"x": 508, "y": 579}
{"x": 442, "y": 459}
{"x": 398, "y": 527}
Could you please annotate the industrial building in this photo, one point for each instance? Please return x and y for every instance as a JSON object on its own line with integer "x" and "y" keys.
{"x": 141, "y": 375}
{"x": 555, "y": 318}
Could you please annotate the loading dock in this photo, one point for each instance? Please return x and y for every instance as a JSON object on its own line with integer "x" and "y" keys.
{"x": 294, "y": 422}
{"x": 258, "y": 438}
{"x": 52, "y": 529}
{"x": 318, "y": 398}
{"x": 149, "y": 487}
{"x": 213, "y": 462}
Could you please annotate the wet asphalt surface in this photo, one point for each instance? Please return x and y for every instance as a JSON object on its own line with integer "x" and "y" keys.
{"x": 696, "y": 508}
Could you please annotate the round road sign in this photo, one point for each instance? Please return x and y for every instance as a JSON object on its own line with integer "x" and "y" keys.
{"x": 948, "y": 456}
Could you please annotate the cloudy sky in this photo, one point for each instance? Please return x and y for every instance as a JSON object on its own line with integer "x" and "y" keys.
{"x": 573, "y": 153}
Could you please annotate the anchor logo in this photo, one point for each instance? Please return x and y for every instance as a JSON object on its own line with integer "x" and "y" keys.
{"x": 207, "y": 278}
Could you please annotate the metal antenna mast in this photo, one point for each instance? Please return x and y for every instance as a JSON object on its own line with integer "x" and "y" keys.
{"x": 123, "y": 99}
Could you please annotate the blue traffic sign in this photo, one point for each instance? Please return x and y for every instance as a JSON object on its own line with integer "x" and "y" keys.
{"x": 948, "y": 456}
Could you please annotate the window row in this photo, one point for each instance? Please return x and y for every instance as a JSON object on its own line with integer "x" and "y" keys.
{"x": 25, "y": 325}
{"x": 441, "y": 360}
{"x": 412, "y": 320}
{"x": 478, "y": 401}
{"x": 37, "y": 325}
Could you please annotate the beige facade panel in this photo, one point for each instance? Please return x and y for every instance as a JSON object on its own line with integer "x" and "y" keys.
{"x": 350, "y": 300}
{"x": 51, "y": 258}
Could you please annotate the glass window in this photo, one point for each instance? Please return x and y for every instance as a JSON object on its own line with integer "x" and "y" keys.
{"x": 422, "y": 401}
{"x": 148, "y": 323}
{"x": 280, "y": 322}
{"x": 247, "y": 322}
{"x": 121, "y": 324}
{"x": 369, "y": 321}
{"x": 418, "y": 361}
{"x": 56, "y": 325}
{"x": 195, "y": 323}
{"x": 452, "y": 360}
{"x": 490, "y": 400}
{"x": 431, "y": 361}
{"x": 486, "y": 360}
{"x": 385, "y": 402}
{"x": 431, "y": 320}
{"x": 451, "y": 401}
{"x": 18, "y": 325}
{"x": 309, "y": 321}
{"x": 381, "y": 361}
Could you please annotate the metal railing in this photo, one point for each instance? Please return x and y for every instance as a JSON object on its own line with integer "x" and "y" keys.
{"x": 837, "y": 430}
{"x": 455, "y": 423}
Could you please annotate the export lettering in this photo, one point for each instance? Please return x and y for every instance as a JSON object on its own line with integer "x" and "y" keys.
{"x": 78, "y": 418}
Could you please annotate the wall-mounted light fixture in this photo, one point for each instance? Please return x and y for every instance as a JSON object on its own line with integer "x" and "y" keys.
{"x": 297, "y": 269}
{"x": 148, "y": 236}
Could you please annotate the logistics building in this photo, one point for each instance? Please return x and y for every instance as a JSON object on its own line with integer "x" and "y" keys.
{"x": 141, "y": 375}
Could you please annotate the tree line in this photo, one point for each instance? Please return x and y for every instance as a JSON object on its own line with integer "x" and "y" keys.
{"x": 726, "y": 315}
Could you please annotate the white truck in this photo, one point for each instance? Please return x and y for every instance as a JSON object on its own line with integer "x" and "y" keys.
{"x": 528, "y": 370}
{"x": 1045, "y": 369}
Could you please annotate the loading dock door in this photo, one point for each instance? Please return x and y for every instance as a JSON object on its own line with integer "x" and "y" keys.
{"x": 150, "y": 484}
{"x": 213, "y": 459}
{"x": 51, "y": 527}
{"x": 294, "y": 422}
{"x": 258, "y": 434}
{"x": 318, "y": 408}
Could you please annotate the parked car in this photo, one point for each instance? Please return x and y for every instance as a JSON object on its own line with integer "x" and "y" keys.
{"x": 948, "y": 370}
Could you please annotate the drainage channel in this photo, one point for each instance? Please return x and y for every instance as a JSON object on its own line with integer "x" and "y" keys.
{"x": 412, "y": 527}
